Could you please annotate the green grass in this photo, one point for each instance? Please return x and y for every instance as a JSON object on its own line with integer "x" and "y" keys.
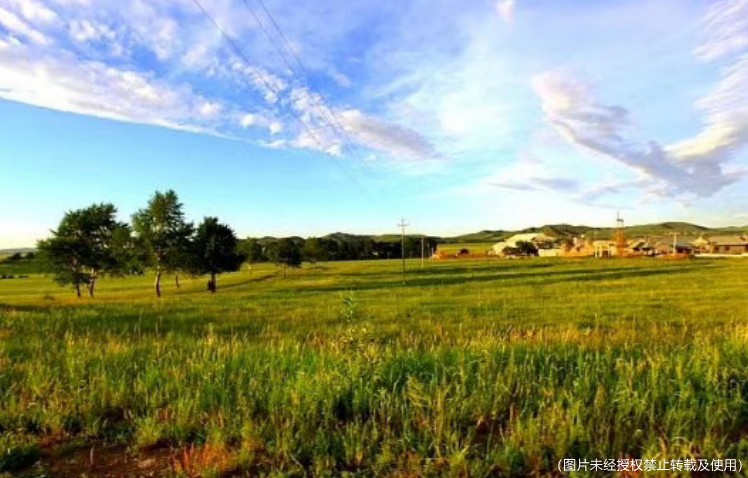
{"x": 467, "y": 369}
{"x": 20, "y": 267}
{"x": 473, "y": 247}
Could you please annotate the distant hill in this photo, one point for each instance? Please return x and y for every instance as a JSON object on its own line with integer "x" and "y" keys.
{"x": 482, "y": 236}
{"x": 22, "y": 250}
{"x": 560, "y": 231}
{"x": 567, "y": 230}
{"x": 344, "y": 236}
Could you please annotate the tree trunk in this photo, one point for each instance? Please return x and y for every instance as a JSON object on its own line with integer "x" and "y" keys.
{"x": 176, "y": 280}
{"x": 91, "y": 286}
{"x": 78, "y": 289}
{"x": 212, "y": 283}
{"x": 158, "y": 283}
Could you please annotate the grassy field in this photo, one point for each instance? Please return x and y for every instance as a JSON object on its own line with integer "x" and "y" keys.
{"x": 20, "y": 267}
{"x": 473, "y": 247}
{"x": 496, "y": 368}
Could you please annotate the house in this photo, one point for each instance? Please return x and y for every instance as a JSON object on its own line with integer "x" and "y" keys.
{"x": 728, "y": 244}
{"x": 681, "y": 246}
{"x": 538, "y": 239}
{"x": 701, "y": 244}
{"x": 641, "y": 247}
{"x": 578, "y": 247}
{"x": 554, "y": 252}
{"x": 605, "y": 248}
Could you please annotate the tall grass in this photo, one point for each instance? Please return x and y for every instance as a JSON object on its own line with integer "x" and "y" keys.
{"x": 470, "y": 369}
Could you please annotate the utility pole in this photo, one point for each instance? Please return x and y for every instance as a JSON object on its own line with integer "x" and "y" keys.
{"x": 675, "y": 242}
{"x": 402, "y": 227}
{"x": 422, "y": 252}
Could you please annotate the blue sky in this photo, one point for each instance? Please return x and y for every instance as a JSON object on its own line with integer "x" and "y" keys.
{"x": 460, "y": 116}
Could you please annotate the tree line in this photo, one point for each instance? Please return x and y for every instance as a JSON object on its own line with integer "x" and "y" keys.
{"x": 91, "y": 243}
{"x": 343, "y": 248}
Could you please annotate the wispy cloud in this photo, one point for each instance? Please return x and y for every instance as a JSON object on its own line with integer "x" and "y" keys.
{"x": 164, "y": 64}
{"x": 699, "y": 165}
{"x": 532, "y": 174}
{"x": 572, "y": 107}
{"x": 726, "y": 107}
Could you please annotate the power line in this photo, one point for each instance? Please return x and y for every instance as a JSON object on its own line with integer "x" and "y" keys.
{"x": 238, "y": 51}
{"x": 328, "y": 115}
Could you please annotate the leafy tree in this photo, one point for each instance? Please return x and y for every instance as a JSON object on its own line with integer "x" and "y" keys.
{"x": 252, "y": 250}
{"x": 163, "y": 234}
{"x": 332, "y": 249}
{"x": 314, "y": 251}
{"x": 285, "y": 253}
{"x": 127, "y": 251}
{"x": 525, "y": 248}
{"x": 214, "y": 251}
{"x": 15, "y": 257}
{"x": 82, "y": 248}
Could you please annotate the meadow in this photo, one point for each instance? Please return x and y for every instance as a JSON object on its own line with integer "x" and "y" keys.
{"x": 469, "y": 368}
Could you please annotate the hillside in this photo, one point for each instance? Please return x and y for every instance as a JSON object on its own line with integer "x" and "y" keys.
{"x": 492, "y": 236}
{"x": 566, "y": 230}
{"x": 22, "y": 250}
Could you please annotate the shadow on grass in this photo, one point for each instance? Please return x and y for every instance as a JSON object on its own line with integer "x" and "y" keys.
{"x": 24, "y": 308}
{"x": 446, "y": 268}
{"x": 521, "y": 278}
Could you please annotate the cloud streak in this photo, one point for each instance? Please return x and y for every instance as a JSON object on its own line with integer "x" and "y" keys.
{"x": 68, "y": 56}
{"x": 572, "y": 108}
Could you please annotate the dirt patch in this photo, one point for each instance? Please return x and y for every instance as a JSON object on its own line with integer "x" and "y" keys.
{"x": 104, "y": 460}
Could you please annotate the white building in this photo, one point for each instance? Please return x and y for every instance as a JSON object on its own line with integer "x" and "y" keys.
{"x": 540, "y": 240}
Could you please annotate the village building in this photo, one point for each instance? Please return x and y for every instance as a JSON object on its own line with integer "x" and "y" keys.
{"x": 604, "y": 248}
{"x": 538, "y": 239}
{"x": 726, "y": 245}
{"x": 578, "y": 247}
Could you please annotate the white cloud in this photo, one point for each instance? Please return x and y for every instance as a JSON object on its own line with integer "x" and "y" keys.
{"x": 394, "y": 140}
{"x": 248, "y": 120}
{"x": 726, "y": 30}
{"x": 93, "y": 88}
{"x": 83, "y": 31}
{"x": 34, "y": 11}
{"x": 531, "y": 174}
{"x": 210, "y": 109}
{"x": 154, "y": 62}
{"x": 725, "y": 108}
{"x": 339, "y": 78}
{"x": 13, "y": 23}
{"x": 573, "y": 109}
{"x": 263, "y": 120}
{"x": 505, "y": 9}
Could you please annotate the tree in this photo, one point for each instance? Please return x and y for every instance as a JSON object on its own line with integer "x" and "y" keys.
{"x": 285, "y": 253}
{"x": 526, "y": 248}
{"x": 251, "y": 249}
{"x": 163, "y": 234}
{"x": 214, "y": 251}
{"x": 83, "y": 249}
{"x": 128, "y": 253}
{"x": 314, "y": 251}
{"x": 15, "y": 257}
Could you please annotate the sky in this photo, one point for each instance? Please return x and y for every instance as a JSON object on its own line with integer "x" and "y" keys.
{"x": 292, "y": 117}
